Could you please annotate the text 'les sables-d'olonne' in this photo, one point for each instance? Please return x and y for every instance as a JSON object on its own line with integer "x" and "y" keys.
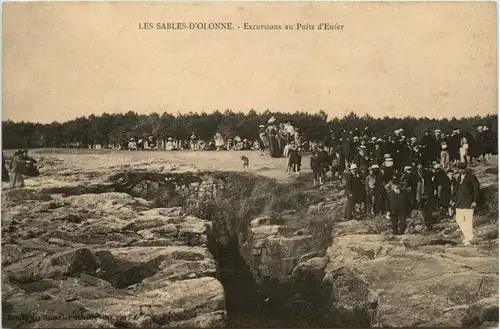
{"x": 244, "y": 26}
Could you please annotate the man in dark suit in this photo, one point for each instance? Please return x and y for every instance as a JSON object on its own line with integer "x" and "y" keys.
{"x": 397, "y": 208}
{"x": 467, "y": 197}
{"x": 351, "y": 187}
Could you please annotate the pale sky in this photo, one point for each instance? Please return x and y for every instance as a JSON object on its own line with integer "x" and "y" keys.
{"x": 63, "y": 60}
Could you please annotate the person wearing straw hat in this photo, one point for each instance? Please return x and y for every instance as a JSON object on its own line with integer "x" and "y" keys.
{"x": 361, "y": 159}
{"x": 351, "y": 185}
{"x": 388, "y": 167}
{"x": 169, "y": 146}
{"x": 230, "y": 144}
{"x": 467, "y": 198}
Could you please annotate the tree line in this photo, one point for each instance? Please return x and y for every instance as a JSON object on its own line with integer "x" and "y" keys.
{"x": 107, "y": 129}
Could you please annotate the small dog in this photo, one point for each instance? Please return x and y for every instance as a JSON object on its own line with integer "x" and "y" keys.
{"x": 246, "y": 162}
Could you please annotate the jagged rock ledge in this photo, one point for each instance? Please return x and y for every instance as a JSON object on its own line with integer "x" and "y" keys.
{"x": 105, "y": 260}
{"x": 142, "y": 233}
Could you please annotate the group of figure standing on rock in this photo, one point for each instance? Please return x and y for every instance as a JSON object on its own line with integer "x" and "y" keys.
{"x": 394, "y": 175}
{"x": 276, "y": 137}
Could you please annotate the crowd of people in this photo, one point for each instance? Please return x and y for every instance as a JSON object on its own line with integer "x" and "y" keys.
{"x": 272, "y": 137}
{"x": 393, "y": 175}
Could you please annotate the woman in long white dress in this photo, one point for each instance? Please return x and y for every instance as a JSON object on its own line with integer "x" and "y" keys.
{"x": 464, "y": 151}
{"x": 219, "y": 141}
{"x": 169, "y": 146}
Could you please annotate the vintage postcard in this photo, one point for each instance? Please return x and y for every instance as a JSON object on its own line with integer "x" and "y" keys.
{"x": 249, "y": 164}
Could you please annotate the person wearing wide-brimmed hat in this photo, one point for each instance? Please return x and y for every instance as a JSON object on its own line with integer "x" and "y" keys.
{"x": 467, "y": 198}
{"x": 352, "y": 184}
{"x": 443, "y": 188}
{"x": 389, "y": 171}
{"x": 362, "y": 160}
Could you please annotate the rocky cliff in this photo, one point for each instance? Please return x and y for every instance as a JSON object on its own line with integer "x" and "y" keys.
{"x": 179, "y": 250}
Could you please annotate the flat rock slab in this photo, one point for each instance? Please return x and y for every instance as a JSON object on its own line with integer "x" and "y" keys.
{"x": 74, "y": 262}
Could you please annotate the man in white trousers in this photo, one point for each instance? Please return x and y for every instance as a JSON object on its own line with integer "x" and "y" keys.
{"x": 467, "y": 198}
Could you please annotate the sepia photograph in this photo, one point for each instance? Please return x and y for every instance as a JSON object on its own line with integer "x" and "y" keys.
{"x": 249, "y": 164}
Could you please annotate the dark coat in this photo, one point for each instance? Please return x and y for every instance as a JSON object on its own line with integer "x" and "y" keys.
{"x": 467, "y": 192}
{"x": 388, "y": 174}
{"x": 350, "y": 184}
{"x": 443, "y": 185}
{"x": 397, "y": 204}
{"x": 315, "y": 163}
{"x": 324, "y": 160}
{"x": 408, "y": 181}
{"x": 361, "y": 161}
{"x": 378, "y": 155}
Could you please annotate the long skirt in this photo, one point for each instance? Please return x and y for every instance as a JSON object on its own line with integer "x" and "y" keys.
{"x": 265, "y": 140}
{"x": 16, "y": 179}
{"x": 274, "y": 148}
{"x": 445, "y": 159}
{"x": 5, "y": 174}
